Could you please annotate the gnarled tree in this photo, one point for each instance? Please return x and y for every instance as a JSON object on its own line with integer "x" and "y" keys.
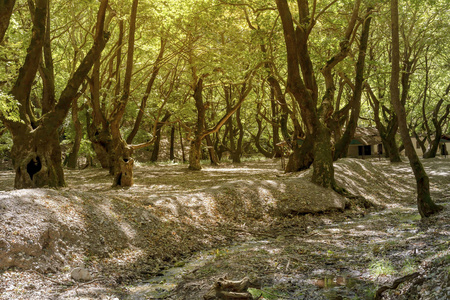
{"x": 36, "y": 152}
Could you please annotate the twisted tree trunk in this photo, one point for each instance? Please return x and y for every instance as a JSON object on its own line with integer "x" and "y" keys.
{"x": 36, "y": 152}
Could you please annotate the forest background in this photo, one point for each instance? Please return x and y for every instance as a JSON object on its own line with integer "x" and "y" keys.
{"x": 239, "y": 76}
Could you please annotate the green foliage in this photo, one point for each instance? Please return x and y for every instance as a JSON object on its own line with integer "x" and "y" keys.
{"x": 9, "y": 107}
{"x": 5, "y": 144}
{"x": 409, "y": 266}
{"x": 265, "y": 294}
{"x": 381, "y": 267}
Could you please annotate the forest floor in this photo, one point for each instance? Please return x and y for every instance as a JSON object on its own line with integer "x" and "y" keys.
{"x": 175, "y": 232}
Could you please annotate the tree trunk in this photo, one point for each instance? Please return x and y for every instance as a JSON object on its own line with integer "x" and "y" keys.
{"x": 305, "y": 90}
{"x": 387, "y": 133}
{"x": 195, "y": 155}
{"x": 438, "y": 124}
{"x": 172, "y": 143}
{"x": 124, "y": 176}
{"x": 425, "y": 204}
{"x": 6, "y": 9}
{"x": 120, "y": 156}
{"x": 159, "y": 125}
{"x": 302, "y": 156}
{"x": 37, "y": 161}
{"x": 72, "y": 158}
{"x": 212, "y": 152}
{"x": 156, "y": 146}
{"x": 155, "y": 71}
{"x": 100, "y": 141}
{"x": 236, "y": 148}
{"x": 323, "y": 169}
{"x": 267, "y": 154}
{"x": 275, "y": 125}
{"x": 341, "y": 147}
{"x": 390, "y": 144}
{"x": 183, "y": 156}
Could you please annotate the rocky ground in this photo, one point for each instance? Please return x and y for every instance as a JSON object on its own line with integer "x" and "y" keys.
{"x": 175, "y": 232}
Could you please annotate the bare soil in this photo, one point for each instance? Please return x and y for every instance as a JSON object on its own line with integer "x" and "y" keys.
{"x": 299, "y": 236}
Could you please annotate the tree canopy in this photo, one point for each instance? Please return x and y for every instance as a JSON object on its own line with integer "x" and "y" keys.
{"x": 228, "y": 76}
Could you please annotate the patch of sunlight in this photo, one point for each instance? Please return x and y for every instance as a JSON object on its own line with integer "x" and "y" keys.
{"x": 124, "y": 226}
{"x": 365, "y": 233}
{"x": 380, "y": 267}
{"x": 129, "y": 256}
{"x": 236, "y": 170}
{"x": 437, "y": 173}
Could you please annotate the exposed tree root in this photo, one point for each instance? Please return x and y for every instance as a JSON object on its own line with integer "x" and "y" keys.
{"x": 395, "y": 284}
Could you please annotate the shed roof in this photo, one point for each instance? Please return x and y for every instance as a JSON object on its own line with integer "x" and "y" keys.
{"x": 445, "y": 138}
{"x": 366, "y": 136}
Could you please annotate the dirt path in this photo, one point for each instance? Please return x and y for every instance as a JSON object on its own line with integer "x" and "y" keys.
{"x": 130, "y": 240}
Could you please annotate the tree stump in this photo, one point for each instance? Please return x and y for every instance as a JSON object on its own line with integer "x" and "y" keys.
{"x": 225, "y": 289}
{"x": 124, "y": 176}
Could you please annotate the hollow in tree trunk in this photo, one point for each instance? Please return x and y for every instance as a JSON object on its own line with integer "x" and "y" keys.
{"x": 36, "y": 158}
{"x": 121, "y": 160}
{"x": 124, "y": 174}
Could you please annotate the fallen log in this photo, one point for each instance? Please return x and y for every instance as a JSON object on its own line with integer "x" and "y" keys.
{"x": 225, "y": 289}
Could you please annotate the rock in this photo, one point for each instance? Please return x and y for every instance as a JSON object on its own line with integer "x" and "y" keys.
{"x": 81, "y": 274}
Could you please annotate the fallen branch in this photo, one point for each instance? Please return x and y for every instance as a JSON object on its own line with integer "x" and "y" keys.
{"x": 68, "y": 282}
{"x": 395, "y": 284}
{"x": 228, "y": 290}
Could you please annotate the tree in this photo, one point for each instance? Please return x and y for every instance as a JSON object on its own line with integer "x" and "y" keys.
{"x": 36, "y": 152}
{"x": 425, "y": 204}
{"x": 302, "y": 85}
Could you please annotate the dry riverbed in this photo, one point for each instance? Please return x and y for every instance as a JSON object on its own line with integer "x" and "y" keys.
{"x": 175, "y": 232}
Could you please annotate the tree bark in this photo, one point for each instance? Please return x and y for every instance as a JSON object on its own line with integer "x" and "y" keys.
{"x": 236, "y": 150}
{"x": 388, "y": 132}
{"x": 266, "y": 153}
{"x": 438, "y": 124}
{"x": 72, "y": 158}
{"x": 6, "y": 9}
{"x": 302, "y": 156}
{"x": 195, "y": 155}
{"x": 278, "y": 152}
{"x": 172, "y": 143}
{"x": 341, "y": 147}
{"x": 212, "y": 153}
{"x": 159, "y": 125}
{"x": 183, "y": 156}
{"x": 195, "y": 152}
{"x": 425, "y": 204}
